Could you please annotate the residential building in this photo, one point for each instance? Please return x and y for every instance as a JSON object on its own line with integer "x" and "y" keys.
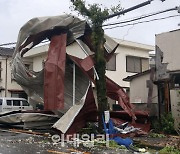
{"x": 130, "y": 58}
{"x": 8, "y": 87}
{"x": 143, "y": 93}
{"x": 158, "y": 90}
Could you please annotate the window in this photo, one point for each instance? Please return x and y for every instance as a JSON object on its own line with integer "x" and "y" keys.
{"x": 9, "y": 103}
{"x": 111, "y": 64}
{"x": 175, "y": 81}
{"x": 20, "y": 94}
{"x": 145, "y": 64}
{"x": 136, "y": 64}
{"x": 1, "y": 101}
{"x": 25, "y": 103}
{"x": 14, "y": 94}
{"x": 16, "y": 102}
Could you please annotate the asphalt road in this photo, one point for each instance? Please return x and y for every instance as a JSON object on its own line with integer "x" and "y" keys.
{"x": 23, "y": 143}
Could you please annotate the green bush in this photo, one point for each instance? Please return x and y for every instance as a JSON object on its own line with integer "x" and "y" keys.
{"x": 156, "y": 135}
{"x": 169, "y": 150}
{"x": 167, "y": 124}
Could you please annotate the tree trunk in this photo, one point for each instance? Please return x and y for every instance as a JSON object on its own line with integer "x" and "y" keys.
{"x": 100, "y": 65}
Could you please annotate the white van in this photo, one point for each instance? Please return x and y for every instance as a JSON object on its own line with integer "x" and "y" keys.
{"x": 12, "y": 104}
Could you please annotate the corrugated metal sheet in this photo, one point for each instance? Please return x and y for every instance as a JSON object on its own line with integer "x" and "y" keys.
{"x": 54, "y": 74}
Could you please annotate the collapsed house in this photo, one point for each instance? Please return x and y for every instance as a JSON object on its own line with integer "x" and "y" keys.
{"x": 66, "y": 93}
{"x": 167, "y": 74}
{"x": 157, "y": 89}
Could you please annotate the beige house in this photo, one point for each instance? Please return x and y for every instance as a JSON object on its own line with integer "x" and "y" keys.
{"x": 140, "y": 84}
{"x": 8, "y": 87}
{"x": 130, "y": 58}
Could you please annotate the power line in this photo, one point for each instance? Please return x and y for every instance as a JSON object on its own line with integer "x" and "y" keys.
{"x": 156, "y": 19}
{"x": 122, "y": 22}
{"x": 142, "y": 17}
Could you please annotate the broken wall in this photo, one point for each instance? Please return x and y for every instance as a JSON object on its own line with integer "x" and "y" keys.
{"x": 169, "y": 44}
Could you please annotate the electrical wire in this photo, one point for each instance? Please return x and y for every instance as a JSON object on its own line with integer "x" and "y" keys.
{"x": 141, "y": 17}
{"x": 123, "y": 22}
{"x": 135, "y": 23}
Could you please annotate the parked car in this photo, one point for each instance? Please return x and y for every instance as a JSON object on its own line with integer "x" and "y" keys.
{"x": 12, "y": 104}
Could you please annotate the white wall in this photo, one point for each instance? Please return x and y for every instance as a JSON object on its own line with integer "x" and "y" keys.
{"x": 169, "y": 43}
{"x": 38, "y": 62}
{"x": 139, "y": 95}
{"x": 127, "y": 48}
{"x": 139, "y": 90}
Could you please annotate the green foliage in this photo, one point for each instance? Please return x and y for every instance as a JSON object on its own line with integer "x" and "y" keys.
{"x": 94, "y": 12}
{"x": 113, "y": 144}
{"x": 115, "y": 9}
{"x": 156, "y": 135}
{"x": 165, "y": 125}
{"x": 169, "y": 150}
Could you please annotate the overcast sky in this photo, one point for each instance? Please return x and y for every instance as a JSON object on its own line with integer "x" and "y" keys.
{"x": 15, "y": 13}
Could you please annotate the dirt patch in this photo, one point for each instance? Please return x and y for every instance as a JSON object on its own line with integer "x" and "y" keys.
{"x": 158, "y": 142}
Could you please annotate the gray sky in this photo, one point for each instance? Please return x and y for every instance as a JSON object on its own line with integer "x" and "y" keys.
{"x": 15, "y": 13}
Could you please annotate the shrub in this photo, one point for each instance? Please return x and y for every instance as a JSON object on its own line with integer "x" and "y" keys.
{"x": 169, "y": 150}
{"x": 167, "y": 124}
